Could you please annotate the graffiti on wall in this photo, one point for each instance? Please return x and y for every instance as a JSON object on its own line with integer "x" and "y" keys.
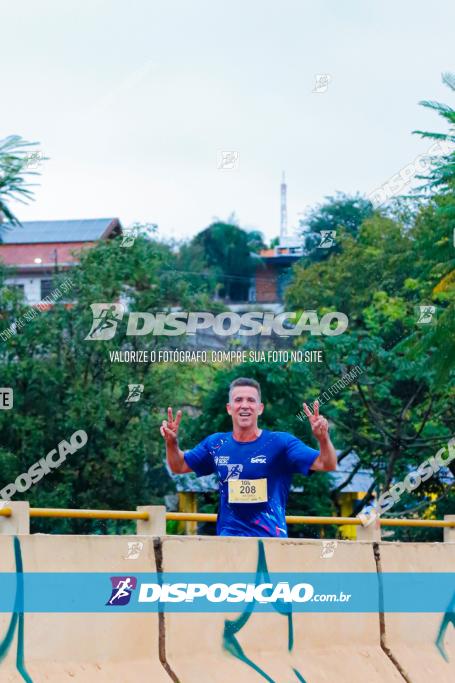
{"x": 448, "y": 618}
{"x": 17, "y": 619}
{"x": 233, "y": 626}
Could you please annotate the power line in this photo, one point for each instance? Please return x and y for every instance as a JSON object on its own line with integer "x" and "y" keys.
{"x": 220, "y": 276}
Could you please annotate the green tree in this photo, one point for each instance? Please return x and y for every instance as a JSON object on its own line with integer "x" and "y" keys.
{"x": 63, "y": 382}
{"x": 442, "y": 171}
{"x": 341, "y": 213}
{"x": 394, "y": 416}
{"x": 439, "y": 341}
{"x": 229, "y": 252}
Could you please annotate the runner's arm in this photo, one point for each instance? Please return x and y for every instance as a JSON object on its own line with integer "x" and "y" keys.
{"x": 175, "y": 458}
{"x": 327, "y": 458}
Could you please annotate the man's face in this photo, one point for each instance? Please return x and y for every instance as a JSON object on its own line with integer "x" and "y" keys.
{"x": 244, "y": 407}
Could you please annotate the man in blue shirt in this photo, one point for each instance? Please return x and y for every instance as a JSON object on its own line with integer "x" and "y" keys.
{"x": 254, "y": 466}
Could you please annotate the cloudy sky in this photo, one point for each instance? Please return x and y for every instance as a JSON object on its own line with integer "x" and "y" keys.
{"x": 133, "y": 102}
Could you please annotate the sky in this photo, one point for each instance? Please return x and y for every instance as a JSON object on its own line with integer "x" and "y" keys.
{"x": 134, "y": 103}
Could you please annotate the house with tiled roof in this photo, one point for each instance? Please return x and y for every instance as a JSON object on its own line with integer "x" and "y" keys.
{"x": 35, "y": 251}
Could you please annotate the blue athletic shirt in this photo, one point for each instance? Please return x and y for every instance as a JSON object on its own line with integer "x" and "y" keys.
{"x": 274, "y": 456}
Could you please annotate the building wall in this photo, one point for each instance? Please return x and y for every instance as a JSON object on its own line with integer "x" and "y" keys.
{"x": 32, "y": 286}
{"x": 266, "y": 284}
{"x": 52, "y": 254}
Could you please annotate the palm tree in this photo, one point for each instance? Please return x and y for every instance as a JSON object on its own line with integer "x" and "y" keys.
{"x": 442, "y": 173}
{"x": 441, "y": 178}
{"x": 14, "y": 184}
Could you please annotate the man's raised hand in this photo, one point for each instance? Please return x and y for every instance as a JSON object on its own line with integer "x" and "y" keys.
{"x": 170, "y": 427}
{"x": 319, "y": 424}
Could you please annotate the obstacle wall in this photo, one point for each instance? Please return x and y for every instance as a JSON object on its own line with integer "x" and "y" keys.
{"x": 216, "y": 647}
{"x": 80, "y": 647}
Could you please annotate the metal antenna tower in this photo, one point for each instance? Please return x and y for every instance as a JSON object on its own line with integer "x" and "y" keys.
{"x": 284, "y": 211}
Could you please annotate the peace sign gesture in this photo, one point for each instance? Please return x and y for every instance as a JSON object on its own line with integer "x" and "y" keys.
{"x": 170, "y": 427}
{"x": 319, "y": 425}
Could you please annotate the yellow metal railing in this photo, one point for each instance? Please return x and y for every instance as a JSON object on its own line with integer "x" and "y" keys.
{"x": 305, "y": 519}
{"x": 207, "y": 517}
{"x": 88, "y": 514}
{"x": 80, "y": 514}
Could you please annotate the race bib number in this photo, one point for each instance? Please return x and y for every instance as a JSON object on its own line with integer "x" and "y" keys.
{"x": 247, "y": 490}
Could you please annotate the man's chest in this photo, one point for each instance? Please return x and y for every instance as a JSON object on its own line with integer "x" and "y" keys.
{"x": 246, "y": 462}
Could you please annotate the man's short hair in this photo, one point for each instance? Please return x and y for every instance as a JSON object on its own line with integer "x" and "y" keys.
{"x": 245, "y": 382}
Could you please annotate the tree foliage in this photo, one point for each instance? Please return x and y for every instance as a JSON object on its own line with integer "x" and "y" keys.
{"x": 342, "y": 213}
{"x": 440, "y": 181}
{"x": 397, "y": 414}
{"x": 63, "y": 382}
{"x": 14, "y": 181}
{"x": 229, "y": 251}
